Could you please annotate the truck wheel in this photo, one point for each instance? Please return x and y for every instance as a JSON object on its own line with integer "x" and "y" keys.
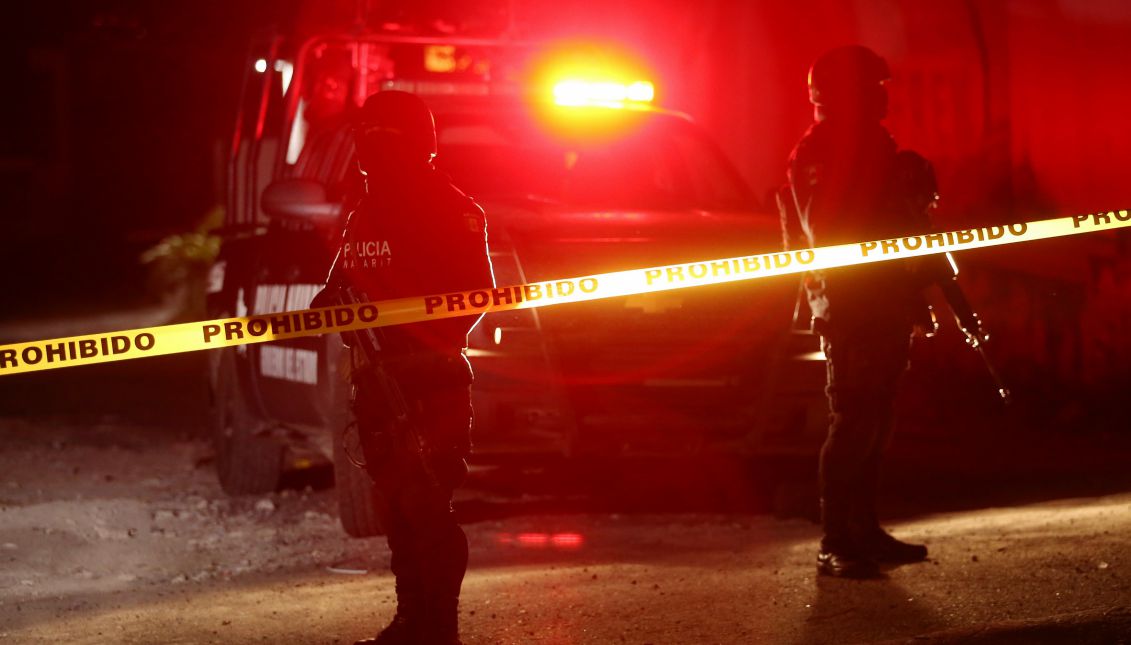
{"x": 357, "y": 496}
{"x": 247, "y": 462}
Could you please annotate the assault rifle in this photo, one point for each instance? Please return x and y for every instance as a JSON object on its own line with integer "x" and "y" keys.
{"x": 920, "y": 186}
{"x": 969, "y": 323}
{"x": 369, "y": 342}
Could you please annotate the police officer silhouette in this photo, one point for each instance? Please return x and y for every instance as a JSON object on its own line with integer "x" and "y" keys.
{"x": 848, "y": 181}
{"x": 413, "y": 234}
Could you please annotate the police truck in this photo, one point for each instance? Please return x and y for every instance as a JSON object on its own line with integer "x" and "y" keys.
{"x": 579, "y": 173}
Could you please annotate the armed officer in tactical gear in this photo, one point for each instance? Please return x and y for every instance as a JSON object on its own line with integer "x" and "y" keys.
{"x": 413, "y": 234}
{"x": 848, "y": 181}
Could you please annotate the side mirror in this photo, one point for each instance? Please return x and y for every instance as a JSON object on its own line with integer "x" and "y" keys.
{"x": 301, "y": 199}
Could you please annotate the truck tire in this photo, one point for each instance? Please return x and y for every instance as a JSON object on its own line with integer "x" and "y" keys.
{"x": 247, "y": 461}
{"x": 357, "y": 496}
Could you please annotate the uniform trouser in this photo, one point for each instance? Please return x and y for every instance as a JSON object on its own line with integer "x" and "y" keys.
{"x": 863, "y": 374}
{"x": 429, "y": 549}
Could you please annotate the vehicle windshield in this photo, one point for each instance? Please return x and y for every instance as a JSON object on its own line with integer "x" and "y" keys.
{"x": 663, "y": 163}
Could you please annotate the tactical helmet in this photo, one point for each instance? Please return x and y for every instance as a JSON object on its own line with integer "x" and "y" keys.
{"x": 396, "y": 127}
{"x": 844, "y": 76}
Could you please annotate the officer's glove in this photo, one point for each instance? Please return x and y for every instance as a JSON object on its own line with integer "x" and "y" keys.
{"x": 449, "y": 466}
{"x": 924, "y": 324}
{"x": 976, "y": 334}
{"x": 331, "y": 296}
{"x": 328, "y": 296}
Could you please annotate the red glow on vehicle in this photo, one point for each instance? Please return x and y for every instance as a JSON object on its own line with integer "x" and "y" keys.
{"x": 567, "y": 540}
{"x": 532, "y": 540}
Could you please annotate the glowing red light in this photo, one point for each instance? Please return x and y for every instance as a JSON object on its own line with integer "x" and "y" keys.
{"x": 567, "y": 540}
{"x": 564, "y": 541}
{"x": 533, "y": 539}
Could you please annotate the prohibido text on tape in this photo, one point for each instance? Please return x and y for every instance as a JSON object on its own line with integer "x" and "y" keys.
{"x": 213, "y": 334}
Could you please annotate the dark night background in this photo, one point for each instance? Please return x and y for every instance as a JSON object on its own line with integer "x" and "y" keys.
{"x": 114, "y": 133}
{"x": 117, "y": 114}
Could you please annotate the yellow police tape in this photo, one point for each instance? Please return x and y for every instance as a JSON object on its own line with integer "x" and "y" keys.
{"x": 212, "y": 334}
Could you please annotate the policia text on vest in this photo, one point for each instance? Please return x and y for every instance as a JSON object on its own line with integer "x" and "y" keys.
{"x": 186, "y": 337}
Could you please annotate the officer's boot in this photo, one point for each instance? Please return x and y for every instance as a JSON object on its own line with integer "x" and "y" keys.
{"x": 405, "y": 628}
{"x": 839, "y": 555}
{"x": 870, "y": 537}
{"x": 442, "y": 626}
{"x": 881, "y": 546}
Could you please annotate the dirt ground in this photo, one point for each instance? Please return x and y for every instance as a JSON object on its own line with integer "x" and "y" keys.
{"x": 113, "y": 531}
